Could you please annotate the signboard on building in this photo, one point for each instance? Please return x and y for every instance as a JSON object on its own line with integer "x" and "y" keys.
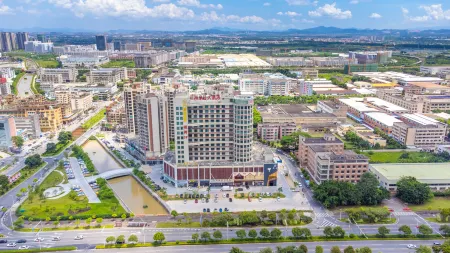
{"x": 270, "y": 174}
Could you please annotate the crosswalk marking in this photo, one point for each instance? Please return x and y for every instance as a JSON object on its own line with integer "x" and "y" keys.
{"x": 404, "y": 213}
{"x": 322, "y": 215}
{"x": 326, "y": 223}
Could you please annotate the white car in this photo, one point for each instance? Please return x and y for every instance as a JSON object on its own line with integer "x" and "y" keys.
{"x": 24, "y": 247}
{"x": 79, "y": 237}
{"x": 411, "y": 246}
{"x": 11, "y": 245}
{"x": 39, "y": 239}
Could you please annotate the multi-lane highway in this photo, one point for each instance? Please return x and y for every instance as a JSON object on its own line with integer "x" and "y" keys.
{"x": 24, "y": 85}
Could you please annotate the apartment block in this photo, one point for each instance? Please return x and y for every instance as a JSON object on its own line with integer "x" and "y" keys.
{"x": 130, "y": 94}
{"x": 67, "y": 74}
{"x": 51, "y": 78}
{"x": 29, "y": 126}
{"x": 274, "y": 132}
{"x": 152, "y": 127}
{"x": 416, "y": 103}
{"x": 78, "y": 101}
{"x": 329, "y": 142}
{"x": 105, "y": 76}
{"x": 346, "y": 166}
{"x": 266, "y": 84}
{"x": 214, "y": 141}
{"x": 7, "y": 131}
{"x": 116, "y": 116}
{"x": 419, "y": 131}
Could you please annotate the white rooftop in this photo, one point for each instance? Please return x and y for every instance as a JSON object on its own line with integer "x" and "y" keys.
{"x": 420, "y": 119}
{"x": 386, "y": 105}
{"x": 383, "y": 118}
{"x": 357, "y": 104}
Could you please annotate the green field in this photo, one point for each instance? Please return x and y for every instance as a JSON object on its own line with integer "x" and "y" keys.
{"x": 94, "y": 119}
{"x": 65, "y": 206}
{"x": 435, "y": 204}
{"x": 52, "y": 180}
{"x": 59, "y": 148}
{"x": 47, "y": 63}
{"x": 395, "y": 157}
{"x": 119, "y": 64}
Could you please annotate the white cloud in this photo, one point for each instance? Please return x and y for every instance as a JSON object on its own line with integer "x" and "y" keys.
{"x": 354, "y": 2}
{"x": 299, "y": 2}
{"x": 304, "y": 20}
{"x": 289, "y": 13}
{"x": 5, "y": 10}
{"x": 267, "y": 4}
{"x": 160, "y": 1}
{"x": 196, "y": 3}
{"x": 375, "y": 15}
{"x": 214, "y": 17}
{"x": 433, "y": 12}
{"x": 330, "y": 10}
{"x": 124, "y": 8}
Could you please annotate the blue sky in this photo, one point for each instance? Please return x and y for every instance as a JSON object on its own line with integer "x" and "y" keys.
{"x": 101, "y": 15}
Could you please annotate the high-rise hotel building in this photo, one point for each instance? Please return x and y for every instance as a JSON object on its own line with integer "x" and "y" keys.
{"x": 213, "y": 137}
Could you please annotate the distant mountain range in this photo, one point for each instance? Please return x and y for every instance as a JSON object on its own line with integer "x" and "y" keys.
{"x": 316, "y": 31}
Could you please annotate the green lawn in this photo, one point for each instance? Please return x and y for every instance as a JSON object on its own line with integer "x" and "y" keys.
{"x": 435, "y": 204}
{"x": 94, "y": 119}
{"x": 40, "y": 209}
{"x": 59, "y": 148}
{"x": 119, "y": 64}
{"x": 176, "y": 225}
{"x": 52, "y": 180}
{"x": 394, "y": 157}
{"x": 47, "y": 63}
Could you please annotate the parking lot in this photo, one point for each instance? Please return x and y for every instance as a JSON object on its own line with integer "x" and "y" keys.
{"x": 79, "y": 183}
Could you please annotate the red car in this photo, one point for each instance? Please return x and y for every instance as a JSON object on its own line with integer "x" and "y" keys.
{"x": 196, "y": 201}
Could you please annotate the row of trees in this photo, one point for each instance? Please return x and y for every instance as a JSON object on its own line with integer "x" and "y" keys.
{"x": 304, "y": 249}
{"x": 338, "y": 193}
{"x": 411, "y": 191}
{"x": 370, "y": 215}
{"x": 63, "y": 138}
{"x": 261, "y": 100}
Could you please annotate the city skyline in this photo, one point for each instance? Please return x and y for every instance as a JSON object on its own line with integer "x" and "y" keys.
{"x": 184, "y": 15}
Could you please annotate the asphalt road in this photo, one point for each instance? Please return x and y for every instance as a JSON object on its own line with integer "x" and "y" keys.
{"x": 24, "y": 86}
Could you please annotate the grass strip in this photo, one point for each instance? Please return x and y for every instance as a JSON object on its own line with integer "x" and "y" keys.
{"x": 94, "y": 119}
{"x": 26, "y": 173}
{"x": 60, "y": 147}
{"x": 15, "y": 82}
{"x": 262, "y": 240}
{"x": 67, "y": 248}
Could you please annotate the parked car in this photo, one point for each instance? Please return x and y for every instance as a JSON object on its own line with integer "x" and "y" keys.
{"x": 24, "y": 247}
{"x": 11, "y": 245}
{"x": 79, "y": 237}
{"x": 3, "y": 241}
{"x": 21, "y": 241}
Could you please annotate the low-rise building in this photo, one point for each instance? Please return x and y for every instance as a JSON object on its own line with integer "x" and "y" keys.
{"x": 105, "y": 76}
{"x": 344, "y": 166}
{"x": 383, "y": 121}
{"x": 435, "y": 175}
{"x": 418, "y": 130}
{"x": 329, "y": 142}
{"x": 67, "y": 75}
{"x": 274, "y": 132}
{"x": 70, "y": 61}
{"x": 29, "y": 126}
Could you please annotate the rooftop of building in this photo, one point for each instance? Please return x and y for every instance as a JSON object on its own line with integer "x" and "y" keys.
{"x": 420, "y": 119}
{"x": 421, "y": 171}
{"x": 347, "y": 157}
{"x": 284, "y": 109}
{"x": 327, "y": 139}
{"x": 357, "y": 104}
{"x": 385, "y": 105}
{"x": 383, "y": 118}
{"x": 429, "y": 85}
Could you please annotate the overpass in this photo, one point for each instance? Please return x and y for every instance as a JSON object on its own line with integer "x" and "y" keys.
{"x": 111, "y": 174}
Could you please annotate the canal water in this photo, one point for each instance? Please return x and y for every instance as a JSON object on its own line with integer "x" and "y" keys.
{"x": 129, "y": 190}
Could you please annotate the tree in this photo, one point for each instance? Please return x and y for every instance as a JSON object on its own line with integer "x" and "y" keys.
{"x": 364, "y": 250}
{"x": 241, "y": 234}
{"x": 405, "y": 229}
{"x": 263, "y": 214}
{"x": 51, "y": 147}
{"x": 174, "y": 213}
{"x": 33, "y": 161}
{"x": 120, "y": 239}
{"x": 18, "y": 223}
{"x": 195, "y": 237}
{"x": 338, "y": 232}
{"x": 328, "y": 231}
{"x": 445, "y": 229}
{"x": 133, "y": 239}
{"x": 99, "y": 222}
{"x": 319, "y": 249}
{"x": 88, "y": 221}
{"x": 383, "y": 231}
{"x": 412, "y": 191}
{"x": 56, "y": 223}
{"x": 64, "y": 136}
{"x": 124, "y": 216}
{"x": 236, "y": 250}
{"x": 110, "y": 239}
{"x": 205, "y": 236}
{"x": 264, "y": 232}
{"x": 423, "y": 249}
{"x": 159, "y": 237}
{"x": 266, "y": 250}
{"x": 425, "y": 230}
{"x": 275, "y": 233}
{"x": 303, "y": 248}
{"x": 18, "y": 141}
{"x": 217, "y": 234}
{"x": 436, "y": 248}
{"x": 249, "y": 218}
{"x": 370, "y": 191}
{"x": 4, "y": 182}
{"x": 349, "y": 249}
{"x": 252, "y": 234}
{"x": 335, "y": 249}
